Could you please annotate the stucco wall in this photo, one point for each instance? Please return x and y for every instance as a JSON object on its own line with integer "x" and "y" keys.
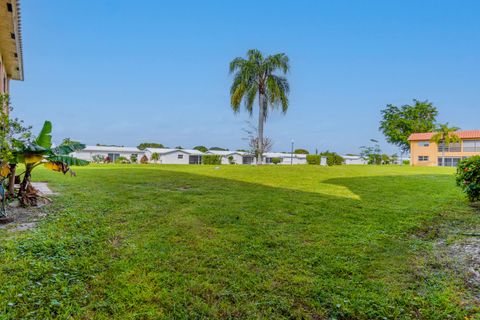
{"x": 433, "y": 154}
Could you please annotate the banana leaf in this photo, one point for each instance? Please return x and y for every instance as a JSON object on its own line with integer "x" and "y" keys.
{"x": 71, "y": 161}
{"x": 44, "y": 139}
{"x": 66, "y": 149}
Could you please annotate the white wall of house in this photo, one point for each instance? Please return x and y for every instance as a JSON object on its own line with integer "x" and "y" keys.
{"x": 354, "y": 160}
{"x": 174, "y": 157}
{"x": 113, "y": 152}
{"x": 286, "y": 158}
{"x": 237, "y": 156}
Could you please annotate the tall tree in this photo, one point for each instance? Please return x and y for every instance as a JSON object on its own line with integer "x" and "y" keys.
{"x": 398, "y": 123}
{"x": 145, "y": 145}
{"x": 201, "y": 148}
{"x": 445, "y": 135}
{"x": 256, "y": 76}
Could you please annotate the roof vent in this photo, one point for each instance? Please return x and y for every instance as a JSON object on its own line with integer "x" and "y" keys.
{"x": 9, "y": 7}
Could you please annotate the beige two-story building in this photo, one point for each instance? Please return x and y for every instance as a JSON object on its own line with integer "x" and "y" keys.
{"x": 423, "y": 152}
{"x": 11, "y": 58}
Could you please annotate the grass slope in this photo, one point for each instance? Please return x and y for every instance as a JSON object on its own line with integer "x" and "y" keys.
{"x": 148, "y": 242}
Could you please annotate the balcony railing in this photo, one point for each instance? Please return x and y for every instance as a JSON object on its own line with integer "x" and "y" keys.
{"x": 452, "y": 147}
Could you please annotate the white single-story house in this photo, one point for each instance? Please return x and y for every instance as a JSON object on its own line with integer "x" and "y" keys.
{"x": 113, "y": 153}
{"x": 233, "y": 157}
{"x": 185, "y": 156}
{"x": 285, "y": 158}
{"x": 354, "y": 159}
{"x": 174, "y": 156}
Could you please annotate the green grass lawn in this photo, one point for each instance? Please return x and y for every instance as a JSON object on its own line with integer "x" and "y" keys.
{"x": 192, "y": 242}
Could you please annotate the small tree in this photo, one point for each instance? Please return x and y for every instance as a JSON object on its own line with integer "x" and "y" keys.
{"x": 155, "y": 157}
{"x": 133, "y": 158}
{"x": 231, "y": 160}
{"x": 373, "y": 155}
{"x": 444, "y": 136}
{"x": 276, "y": 160}
{"x": 144, "y": 159}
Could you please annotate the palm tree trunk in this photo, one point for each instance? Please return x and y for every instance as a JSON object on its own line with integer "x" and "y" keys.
{"x": 261, "y": 121}
{"x": 443, "y": 155}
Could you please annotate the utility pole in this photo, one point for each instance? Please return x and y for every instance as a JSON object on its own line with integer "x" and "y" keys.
{"x": 291, "y": 155}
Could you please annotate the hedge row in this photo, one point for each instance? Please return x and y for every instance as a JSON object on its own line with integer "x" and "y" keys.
{"x": 211, "y": 159}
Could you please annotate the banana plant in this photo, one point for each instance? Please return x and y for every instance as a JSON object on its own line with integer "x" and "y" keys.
{"x": 40, "y": 151}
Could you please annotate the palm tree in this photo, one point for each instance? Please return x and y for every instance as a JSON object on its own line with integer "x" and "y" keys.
{"x": 445, "y": 135}
{"x": 256, "y": 76}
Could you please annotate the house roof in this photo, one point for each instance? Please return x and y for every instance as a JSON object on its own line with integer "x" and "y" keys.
{"x": 111, "y": 149}
{"x": 11, "y": 38}
{"x": 225, "y": 152}
{"x": 168, "y": 150}
{"x": 284, "y": 155}
{"x": 466, "y": 134}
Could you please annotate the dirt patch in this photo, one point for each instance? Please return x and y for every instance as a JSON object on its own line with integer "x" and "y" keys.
{"x": 466, "y": 255}
{"x": 22, "y": 219}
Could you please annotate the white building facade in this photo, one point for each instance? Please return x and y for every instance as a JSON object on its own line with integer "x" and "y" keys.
{"x": 174, "y": 156}
{"x": 184, "y": 156}
{"x": 107, "y": 152}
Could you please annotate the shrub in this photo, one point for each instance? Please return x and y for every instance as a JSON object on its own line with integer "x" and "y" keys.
{"x": 276, "y": 160}
{"x": 406, "y": 162}
{"x": 144, "y": 159}
{"x": 133, "y": 158}
{"x": 211, "y": 159}
{"x": 468, "y": 177}
{"x": 155, "y": 157}
{"x": 231, "y": 160}
{"x": 98, "y": 158}
{"x": 313, "y": 159}
{"x": 333, "y": 159}
{"x": 122, "y": 160}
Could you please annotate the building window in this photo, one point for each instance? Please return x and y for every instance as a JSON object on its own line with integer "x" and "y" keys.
{"x": 448, "y": 161}
{"x": 113, "y": 156}
{"x": 423, "y": 144}
{"x": 452, "y": 147}
{"x": 247, "y": 159}
{"x": 471, "y": 146}
{"x": 422, "y": 158}
{"x": 180, "y": 156}
{"x": 194, "y": 159}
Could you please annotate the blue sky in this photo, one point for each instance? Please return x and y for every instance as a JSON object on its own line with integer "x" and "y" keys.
{"x": 124, "y": 72}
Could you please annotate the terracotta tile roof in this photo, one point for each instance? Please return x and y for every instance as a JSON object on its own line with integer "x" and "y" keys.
{"x": 467, "y": 134}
